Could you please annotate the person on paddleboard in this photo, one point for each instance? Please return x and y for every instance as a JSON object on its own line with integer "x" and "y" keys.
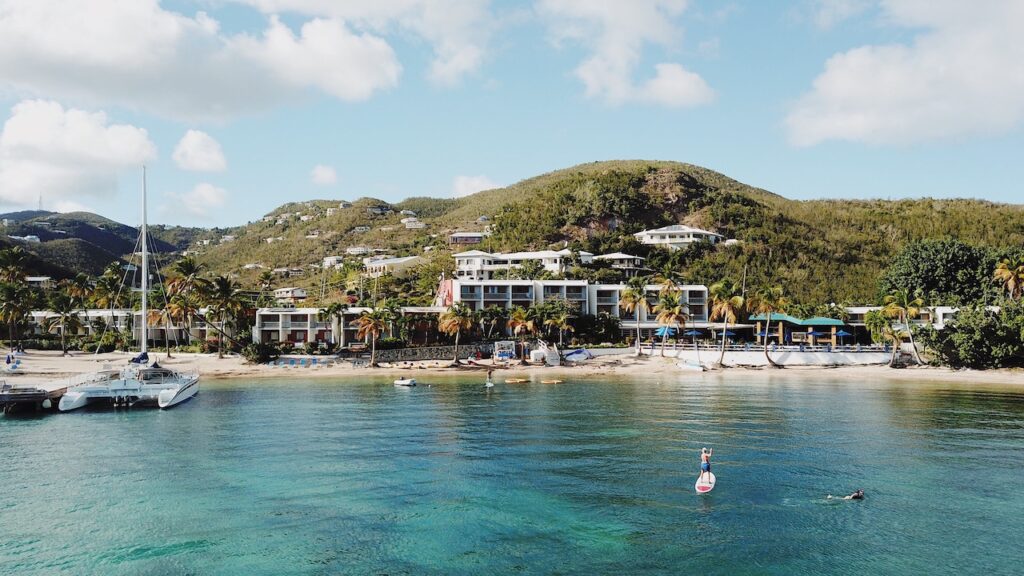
{"x": 705, "y": 464}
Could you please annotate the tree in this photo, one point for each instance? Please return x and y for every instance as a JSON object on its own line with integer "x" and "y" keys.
{"x": 15, "y": 304}
{"x": 1009, "y": 274}
{"x": 187, "y": 277}
{"x": 522, "y": 323}
{"x": 767, "y": 301}
{"x": 335, "y": 311}
{"x": 905, "y": 306}
{"x": 13, "y": 262}
{"x": 561, "y": 321}
{"x": 224, "y": 302}
{"x": 726, "y": 304}
{"x": 671, "y": 314}
{"x": 490, "y": 317}
{"x": 107, "y": 292}
{"x": 370, "y": 325}
{"x": 634, "y": 299}
{"x": 454, "y": 321}
{"x": 67, "y": 316}
{"x": 80, "y": 290}
{"x": 943, "y": 271}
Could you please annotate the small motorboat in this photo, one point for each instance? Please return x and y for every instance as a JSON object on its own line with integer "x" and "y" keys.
{"x": 552, "y": 381}
{"x": 407, "y": 382}
{"x": 516, "y": 380}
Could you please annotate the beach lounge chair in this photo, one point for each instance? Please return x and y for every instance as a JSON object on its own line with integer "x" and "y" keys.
{"x": 291, "y": 363}
{"x": 314, "y": 363}
{"x": 302, "y": 363}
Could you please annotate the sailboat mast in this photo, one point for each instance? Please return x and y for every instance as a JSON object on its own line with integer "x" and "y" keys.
{"x": 145, "y": 270}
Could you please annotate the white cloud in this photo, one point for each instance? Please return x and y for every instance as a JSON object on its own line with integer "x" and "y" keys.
{"x": 197, "y": 151}
{"x": 962, "y": 75}
{"x": 200, "y": 201}
{"x": 140, "y": 55}
{"x": 466, "y": 185}
{"x": 323, "y": 175}
{"x": 616, "y": 34}
{"x": 457, "y": 31}
{"x": 325, "y": 55}
{"x": 828, "y": 13}
{"x": 65, "y": 154}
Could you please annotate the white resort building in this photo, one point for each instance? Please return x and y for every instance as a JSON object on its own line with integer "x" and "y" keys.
{"x": 677, "y": 236}
{"x": 591, "y": 299}
{"x": 477, "y": 265}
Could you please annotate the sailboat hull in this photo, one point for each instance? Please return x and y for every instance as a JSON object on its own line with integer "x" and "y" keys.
{"x": 72, "y": 400}
{"x": 173, "y": 396}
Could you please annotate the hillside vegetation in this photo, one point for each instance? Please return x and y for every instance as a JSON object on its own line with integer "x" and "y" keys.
{"x": 821, "y": 251}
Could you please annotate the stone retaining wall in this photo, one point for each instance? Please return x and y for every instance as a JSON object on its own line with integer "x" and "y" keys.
{"x": 432, "y": 353}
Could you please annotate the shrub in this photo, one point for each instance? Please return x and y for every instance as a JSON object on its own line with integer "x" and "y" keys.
{"x": 260, "y": 353}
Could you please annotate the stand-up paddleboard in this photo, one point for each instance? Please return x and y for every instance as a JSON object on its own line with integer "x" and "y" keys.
{"x": 703, "y": 485}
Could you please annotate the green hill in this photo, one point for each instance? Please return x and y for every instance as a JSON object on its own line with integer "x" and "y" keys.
{"x": 85, "y": 242}
{"x": 821, "y": 251}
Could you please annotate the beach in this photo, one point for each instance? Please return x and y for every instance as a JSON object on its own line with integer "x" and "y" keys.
{"x": 46, "y": 366}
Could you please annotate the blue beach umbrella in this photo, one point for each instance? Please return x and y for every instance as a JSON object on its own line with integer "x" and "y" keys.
{"x": 693, "y": 333}
{"x": 815, "y": 333}
{"x": 665, "y": 330}
{"x": 842, "y": 334}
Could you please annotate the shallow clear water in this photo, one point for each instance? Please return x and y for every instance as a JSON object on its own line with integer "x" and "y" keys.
{"x": 596, "y": 477}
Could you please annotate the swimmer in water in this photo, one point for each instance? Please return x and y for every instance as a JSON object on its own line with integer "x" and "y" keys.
{"x": 857, "y": 495}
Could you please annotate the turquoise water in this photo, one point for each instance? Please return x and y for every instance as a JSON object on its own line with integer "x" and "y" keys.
{"x": 326, "y": 477}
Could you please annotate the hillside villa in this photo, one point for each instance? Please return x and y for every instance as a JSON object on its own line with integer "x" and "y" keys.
{"x": 379, "y": 266}
{"x": 466, "y": 238}
{"x": 631, "y": 265}
{"x": 677, "y": 236}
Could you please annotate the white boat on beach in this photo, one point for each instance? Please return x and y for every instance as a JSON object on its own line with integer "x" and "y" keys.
{"x": 137, "y": 383}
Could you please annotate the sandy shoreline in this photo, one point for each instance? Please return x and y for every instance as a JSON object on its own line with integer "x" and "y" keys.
{"x": 40, "y": 367}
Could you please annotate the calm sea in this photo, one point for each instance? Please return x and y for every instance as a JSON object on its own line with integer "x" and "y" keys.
{"x": 585, "y": 477}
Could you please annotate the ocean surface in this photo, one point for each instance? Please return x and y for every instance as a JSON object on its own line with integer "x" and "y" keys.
{"x": 584, "y": 477}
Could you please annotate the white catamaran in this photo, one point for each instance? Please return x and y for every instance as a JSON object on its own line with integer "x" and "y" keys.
{"x": 138, "y": 383}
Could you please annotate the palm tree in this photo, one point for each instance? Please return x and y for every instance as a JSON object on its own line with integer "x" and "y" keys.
{"x": 490, "y": 317}
{"x": 634, "y": 299}
{"x": 13, "y": 262}
{"x": 107, "y": 292}
{"x": 67, "y": 316}
{"x": 1010, "y": 274}
{"x": 522, "y": 323}
{"x": 453, "y": 321}
{"x": 767, "y": 301}
{"x": 184, "y": 308}
{"x": 158, "y": 316}
{"x": 726, "y": 303}
{"x": 80, "y": 290}
{"x": 371, "y": 324}
{"x": 187, "y": 277}
{"x": 224, "y": 302}
{"x": 15, "y": 304}
{"x": 335, "y": 311}
{"x": 905, "y": 306}
{"x": 561, "y": 321}
{"x": 671, "y": 314}
{"x": 880, "y": 327}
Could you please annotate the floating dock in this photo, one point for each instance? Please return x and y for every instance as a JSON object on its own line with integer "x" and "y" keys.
{"x": 15, "y": 397}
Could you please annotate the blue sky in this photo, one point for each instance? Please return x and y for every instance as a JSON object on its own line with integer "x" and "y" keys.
{"x": 399, "y": 98}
